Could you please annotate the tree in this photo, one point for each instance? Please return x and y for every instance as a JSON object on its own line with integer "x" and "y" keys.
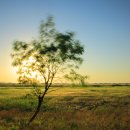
{"x": 42, "y": 59}
{"x": 73, "y": 76}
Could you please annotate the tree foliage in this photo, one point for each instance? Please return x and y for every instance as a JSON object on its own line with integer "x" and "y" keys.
{"x": 73, "y": 76}
{"x": 41, "y": 59}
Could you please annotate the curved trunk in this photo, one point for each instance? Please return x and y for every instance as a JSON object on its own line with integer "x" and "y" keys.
{"x": 40, "y": 100}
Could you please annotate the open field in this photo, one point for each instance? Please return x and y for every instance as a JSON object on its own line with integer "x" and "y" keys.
{"x": 67, "y": 108}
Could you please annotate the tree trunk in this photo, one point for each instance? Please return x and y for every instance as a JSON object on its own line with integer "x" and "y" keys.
{"x": 40, "y": 100}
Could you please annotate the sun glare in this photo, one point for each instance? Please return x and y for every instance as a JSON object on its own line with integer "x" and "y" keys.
{"x": 32, "y": 74}
{"x": 31, "y": 59}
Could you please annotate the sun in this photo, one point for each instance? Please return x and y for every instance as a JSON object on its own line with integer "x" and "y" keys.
{"x": 31, "y": 59}
{"x": 28, "y": 71}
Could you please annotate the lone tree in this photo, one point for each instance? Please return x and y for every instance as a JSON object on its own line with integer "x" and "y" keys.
{"x": 39, "y": 61}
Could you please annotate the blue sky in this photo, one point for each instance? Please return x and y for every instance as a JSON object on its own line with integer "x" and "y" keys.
{"x": 103, "y": 26}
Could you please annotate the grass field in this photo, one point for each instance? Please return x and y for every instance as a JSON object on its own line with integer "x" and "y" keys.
{"x": 67, "y": 108}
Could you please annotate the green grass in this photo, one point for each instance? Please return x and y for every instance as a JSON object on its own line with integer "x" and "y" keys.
{"x": 67, "y": 108}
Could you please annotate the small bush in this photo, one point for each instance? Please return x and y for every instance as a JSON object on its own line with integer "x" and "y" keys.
{"x": 8, "y": 119}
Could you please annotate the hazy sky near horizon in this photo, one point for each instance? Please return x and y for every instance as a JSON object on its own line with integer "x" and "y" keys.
{"x": 103, "y": 26}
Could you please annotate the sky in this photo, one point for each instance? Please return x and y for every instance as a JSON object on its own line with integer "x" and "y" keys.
{"x": 102, "y": 26}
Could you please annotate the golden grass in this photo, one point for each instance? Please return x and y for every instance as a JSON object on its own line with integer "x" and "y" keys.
{"x": 69, "y": 91}
{"x": 67, "y": 108}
